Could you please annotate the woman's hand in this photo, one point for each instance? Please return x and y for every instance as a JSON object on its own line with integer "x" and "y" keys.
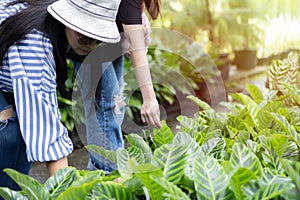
{"x": 150, "y": 112}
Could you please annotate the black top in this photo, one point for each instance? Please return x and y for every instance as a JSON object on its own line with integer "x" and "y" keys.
{"x": 129, "y": 13}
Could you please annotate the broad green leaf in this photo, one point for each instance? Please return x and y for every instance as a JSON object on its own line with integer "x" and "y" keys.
{"x": 292, "y": 168}
{"x": 108, "y": 154}
{"x": 200, "y": 103}
{"x": 236, "y": 122}
{"x": 136, "y": 153}
{"x": 163, "y": 135}
{"x": 264, "y": 119}
{"x": 291, "y": 151}
{"x": 251, "y": 106}
{"x": 277, "y": 186}
{"x": 239, "y": 178}
{"x": 143, "y": 172}
{"x": 255, "y": 93}
{"x": 77, "y": 192}
{"x": 210, "y": 178}
{"x": 60, "y": 181}
{"x": 270, "y": 158}
{"x": 31, "y": 187}
{"x": 213, "y": 146}
{"x": 253, "y": 146}
{"x": 172, "y": 190}
{"x": 160, "y": 155}
{"x": 286, "y": 126}
{"x": 109, "y": 190}
{"x": 279, "y": 143}
{"x": 84, "y": 176}
{"x": 122, "y": 163}
{"x": 133, "y": 184}
{"x": 175, "y": 163}
{"x": 138, "y": 141}
{"x": 191, "y": 125}
{"x": 243, "y": 157}
{"x": 193, "y": 151}
{"x": 9, "y": 194}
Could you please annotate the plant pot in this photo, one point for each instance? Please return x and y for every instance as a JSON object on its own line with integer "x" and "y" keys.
{"x": 245, "y": 59}
{"x": 223, "y": 65}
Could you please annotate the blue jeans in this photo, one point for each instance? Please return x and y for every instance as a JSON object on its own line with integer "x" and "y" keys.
{"x": 104, "y": 108}
{"x": 12, "y": 148}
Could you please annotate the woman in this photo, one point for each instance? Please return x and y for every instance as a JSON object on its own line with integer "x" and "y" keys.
{"x": 103, "y": 100}
{"x": 34, "y": 38}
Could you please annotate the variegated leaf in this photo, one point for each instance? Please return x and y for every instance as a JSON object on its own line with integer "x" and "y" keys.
{"x": 243, "y": 157}
{"x": 171, "y": 189}
{"x": 239, "y": 178}
{"x": 109, "y": 190}
{"x": 138, "y": 141}
{"x": 60, "y": 181}
{"x": 210, "y": 178}
{"x": 31, "y": 187}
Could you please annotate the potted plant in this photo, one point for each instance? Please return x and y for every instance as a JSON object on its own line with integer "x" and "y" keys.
{"x": 246, "y": 34}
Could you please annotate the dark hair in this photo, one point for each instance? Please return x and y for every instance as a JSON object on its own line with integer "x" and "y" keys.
{"x": 153, "y": 8}
{"x": 35, "y": 16}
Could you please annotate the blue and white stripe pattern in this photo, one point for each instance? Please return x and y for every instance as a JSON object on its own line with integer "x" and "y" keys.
{"x": 28, "y": 70}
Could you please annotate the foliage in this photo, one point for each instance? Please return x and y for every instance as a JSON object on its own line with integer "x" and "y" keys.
{"x": 251, "y": 151}
{"x": 282, "y": 78}
{"x": 172, "y": 71}
{"x": 69, "y": 116}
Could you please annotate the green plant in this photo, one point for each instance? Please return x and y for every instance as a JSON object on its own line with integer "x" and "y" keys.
{"x": 180, "y": 70}
{"x": 282, "y": 78}
{"x": 251, "y": 151}
{"x": 247, "y": 33}
{"x": 70, "y": 116}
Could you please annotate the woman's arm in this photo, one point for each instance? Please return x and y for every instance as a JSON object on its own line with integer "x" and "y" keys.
{"x": 138, "y": 53}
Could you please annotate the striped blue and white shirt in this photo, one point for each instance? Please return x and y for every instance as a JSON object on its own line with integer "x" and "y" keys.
{"x": 28, "y": 70}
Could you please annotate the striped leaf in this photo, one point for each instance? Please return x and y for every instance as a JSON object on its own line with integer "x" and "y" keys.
{"x": 60, "y": 181}
{"x": 286, "y": 126}
{"x": 108, "y": 154}
{"x": 109, "y": 190}
{"x": 210, "y": 178}
{"x": 264, "y": 120}
{"x": 77, "y": 192}
{"x": 138, "y": 141}
{"x": 243, "y": 157}
{"x": 279, "y": 143}
{"x": 9, "y": 194}
{"x": 31, "y": 187}
{"x": 84, "y": 176}
{"x": 255, "y": 93}
{"x": 175, "y": 163}
{"x": 143, "y": 172}
{"x": 160, "y": 155}
{"x": 268, "y": 155}
{"x": 251, "y": 106}
{"x": 193, "y": 151}
{"x": 171, "y": 189}
{"x": 213, "y": 146}
{"x": 163, "y": 135}
{"x": 276, "y": 187}
{"x": 202, "y": 104}
{"x": 136, "y": 153}
{"x": 291, "y": 151}
{"x": 122, "y": 163}
{"x": 239, "y": 178}
{"x": 292, "y": 168}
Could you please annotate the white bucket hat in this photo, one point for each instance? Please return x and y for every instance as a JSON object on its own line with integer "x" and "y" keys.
{"x": 92, "y": 18}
